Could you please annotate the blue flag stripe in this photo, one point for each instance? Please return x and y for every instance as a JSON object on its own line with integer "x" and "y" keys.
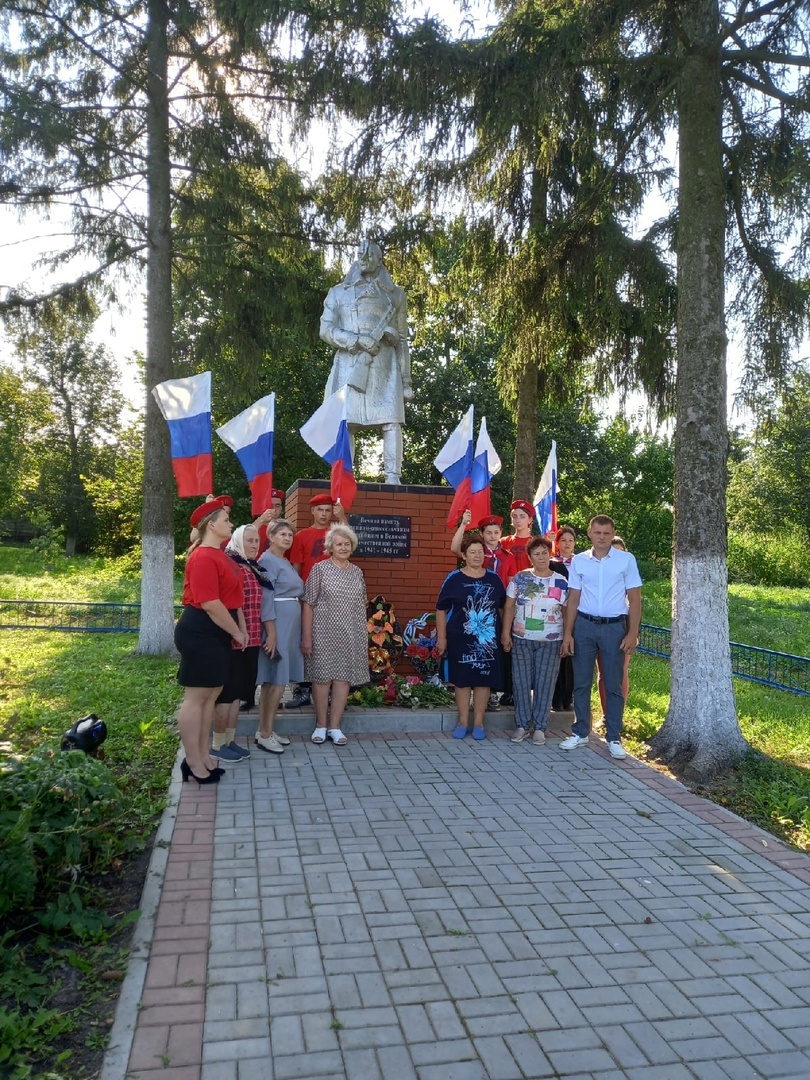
{"x": 460, "y": 469}
{"x": 190, "y": 436}
{"x": 258, "y": 457}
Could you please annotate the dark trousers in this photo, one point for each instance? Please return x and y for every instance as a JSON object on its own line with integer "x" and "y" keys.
{"x": 564, "y": 688}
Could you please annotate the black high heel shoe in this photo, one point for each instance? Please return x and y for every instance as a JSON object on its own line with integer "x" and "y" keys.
{"x": 216, "y": 771}
{"x": 185, "y": 771}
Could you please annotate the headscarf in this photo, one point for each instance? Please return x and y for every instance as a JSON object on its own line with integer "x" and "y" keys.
{"x": 236, "y": 550}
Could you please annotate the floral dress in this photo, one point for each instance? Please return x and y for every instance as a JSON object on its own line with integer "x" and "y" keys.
{"x": 473, "y": 607}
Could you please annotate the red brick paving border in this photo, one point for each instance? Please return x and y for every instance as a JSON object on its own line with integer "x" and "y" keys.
{"x": 167, "y": 1044}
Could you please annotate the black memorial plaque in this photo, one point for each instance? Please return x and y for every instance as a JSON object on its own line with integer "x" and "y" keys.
{"x": 382, "y": 536}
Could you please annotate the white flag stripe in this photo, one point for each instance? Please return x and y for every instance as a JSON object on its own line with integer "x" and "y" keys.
{"x": 321, "y": 430}
{"x": 456, "y": 446}
{"x": 546, "y": 480}
{"x": 250, "y": 424}
{"x": 181, "y": 398}
{"x": 485, "y": 443}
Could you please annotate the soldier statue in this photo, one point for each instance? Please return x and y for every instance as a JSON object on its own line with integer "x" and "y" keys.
{"x": 365, "y": 318}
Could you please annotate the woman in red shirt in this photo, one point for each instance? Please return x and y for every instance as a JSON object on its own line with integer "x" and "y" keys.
{"x": 212, "y": 616}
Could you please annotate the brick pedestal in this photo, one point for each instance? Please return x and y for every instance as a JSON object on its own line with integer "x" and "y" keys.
{"x": 411, "y": 585}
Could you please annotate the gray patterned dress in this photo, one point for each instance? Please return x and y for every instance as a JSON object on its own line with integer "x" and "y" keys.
{"x": 339, "y": 634}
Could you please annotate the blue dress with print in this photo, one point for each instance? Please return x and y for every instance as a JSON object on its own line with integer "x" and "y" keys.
{"x": 473, "y": 607}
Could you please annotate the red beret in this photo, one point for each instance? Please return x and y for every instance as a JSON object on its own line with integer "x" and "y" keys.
{"x": 210, "y": 507}
{"x": 278, "y": 493}
{"x": 322, "y": 500}
{"x": 521, "y": 504}
{"x": 491, "y": 520}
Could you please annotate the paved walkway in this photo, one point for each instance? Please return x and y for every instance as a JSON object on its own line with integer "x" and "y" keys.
{"x": 416, "y": 907}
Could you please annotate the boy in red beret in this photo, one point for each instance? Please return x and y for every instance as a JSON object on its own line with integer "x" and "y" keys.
{"x": 496, "y": 557}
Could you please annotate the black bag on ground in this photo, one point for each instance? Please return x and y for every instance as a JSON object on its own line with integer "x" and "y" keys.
{"x": 87, "y": 734}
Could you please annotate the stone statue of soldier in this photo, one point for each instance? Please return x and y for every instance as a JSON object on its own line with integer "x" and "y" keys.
{"x": 365, "y": 318}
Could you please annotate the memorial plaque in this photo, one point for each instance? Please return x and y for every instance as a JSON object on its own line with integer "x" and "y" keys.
{"x": 382, "y": 536}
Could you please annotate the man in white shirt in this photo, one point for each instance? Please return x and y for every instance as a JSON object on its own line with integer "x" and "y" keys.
{"x": 603, "y": 616}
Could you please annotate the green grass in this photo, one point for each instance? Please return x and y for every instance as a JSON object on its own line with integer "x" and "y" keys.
{"x": 24, "y": 575}
{"x": 49, "y": 679}
{"x": 771, "y": 617}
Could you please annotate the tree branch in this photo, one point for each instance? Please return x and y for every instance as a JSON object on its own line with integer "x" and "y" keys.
{"x": 745, "y": 19}
{"x": 15, "y": 301}
{"x": 768, "y": 91}
{"x": 766, "y": 56}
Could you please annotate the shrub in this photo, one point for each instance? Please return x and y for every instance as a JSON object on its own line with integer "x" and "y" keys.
{"x": 59, "y": 816}
{"x": 781, "y": 558}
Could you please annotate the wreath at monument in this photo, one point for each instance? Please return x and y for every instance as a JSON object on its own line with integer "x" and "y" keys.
{"x": 420, "y": 647}
{"x": 384, "y": 638}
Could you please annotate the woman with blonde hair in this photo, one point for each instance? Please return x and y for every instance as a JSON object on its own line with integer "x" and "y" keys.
{"x": 281, "y": 660}
{"x": 212, "y": 617}
{"x": 334, "y": 635}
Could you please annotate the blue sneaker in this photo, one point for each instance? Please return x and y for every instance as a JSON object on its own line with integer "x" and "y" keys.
{"x": 226, "y": 756}
{"x": 479, "y": 734}
{"x": 460, "y": 732}
{"x": 240, "y": 750}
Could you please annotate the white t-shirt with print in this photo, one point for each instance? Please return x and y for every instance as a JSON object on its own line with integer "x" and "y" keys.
{"x": 539, "y": 604}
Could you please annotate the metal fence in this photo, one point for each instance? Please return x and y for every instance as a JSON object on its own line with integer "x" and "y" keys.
{"x": 70, "y": 615}
{"x": 779, "y": 670}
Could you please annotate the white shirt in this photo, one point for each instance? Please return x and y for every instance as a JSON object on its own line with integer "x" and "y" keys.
{"x": 604, "y": 582}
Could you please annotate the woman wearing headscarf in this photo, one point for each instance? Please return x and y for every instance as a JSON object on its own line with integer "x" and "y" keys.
{"x": 280, "y": 660}
{"x": 212, "y": 618}
{"x": 242, "y": 549}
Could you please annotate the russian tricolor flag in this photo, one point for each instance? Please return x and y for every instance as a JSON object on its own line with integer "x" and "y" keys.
{"x": 486, "y": 464}
{"x": 327, "y": 433}
{"x": 186, "y": 407}
{"x": 455, "y": 462}
{"x": 545, "y": 499}
{"x": 250, "y": 436}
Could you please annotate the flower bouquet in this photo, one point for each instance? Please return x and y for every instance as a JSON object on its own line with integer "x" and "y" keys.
{"x": 420, "y": 647}
{"x": 384, "y": 638}
{"x": 405, "y": 693}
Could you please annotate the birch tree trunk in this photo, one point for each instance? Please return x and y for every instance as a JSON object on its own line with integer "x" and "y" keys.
{"x": 701, "y": 734}
{"x": 157, "y": 561}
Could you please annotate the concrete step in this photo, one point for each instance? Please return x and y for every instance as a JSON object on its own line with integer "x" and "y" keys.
{"x": 383, "y": 721}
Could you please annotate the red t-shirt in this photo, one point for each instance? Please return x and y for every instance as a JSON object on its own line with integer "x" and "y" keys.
{"x": 211, "y": 575}
{"x": 516, "y": 545}
{"x": 307, "y": 549}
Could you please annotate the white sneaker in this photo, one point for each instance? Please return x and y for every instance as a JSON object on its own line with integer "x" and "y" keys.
{"x": 574, "y": 741}
{"x": 269, "y": 743}
{"x": 617, "y": 750}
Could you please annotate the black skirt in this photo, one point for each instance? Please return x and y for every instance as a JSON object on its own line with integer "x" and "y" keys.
{"x": 241, "y": 682}
{"x": 204, "y": 647}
